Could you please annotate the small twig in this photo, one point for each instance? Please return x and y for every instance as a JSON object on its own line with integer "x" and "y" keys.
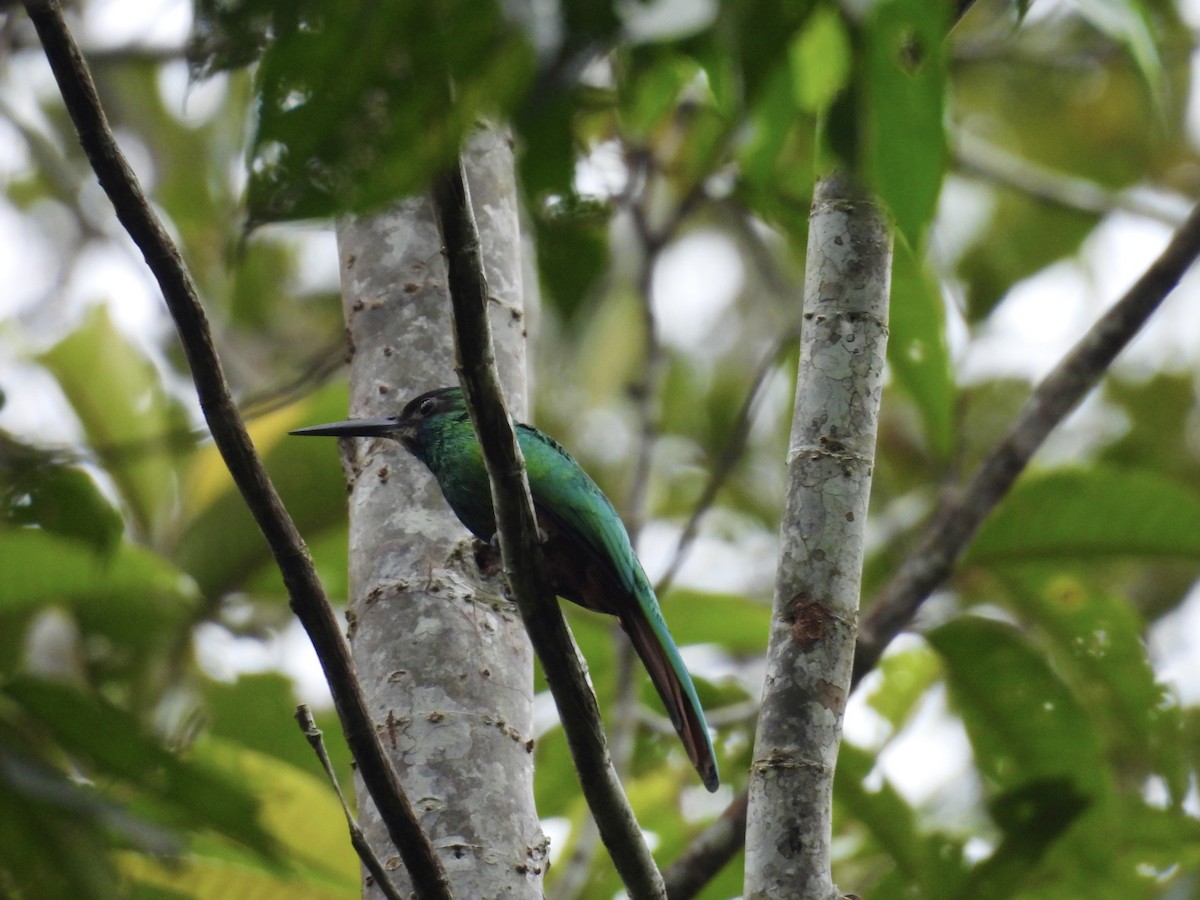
{"x": 308, "y": 599}
{"x": 958, "y": 517}
{"x": 979, "y": 159}
{"x": 520, "y": 547}
{"x": 730, "y": 454}
{"x": 308, "y": 725}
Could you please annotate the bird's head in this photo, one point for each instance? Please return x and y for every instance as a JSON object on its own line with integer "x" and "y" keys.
{"x": 408, "y": 427}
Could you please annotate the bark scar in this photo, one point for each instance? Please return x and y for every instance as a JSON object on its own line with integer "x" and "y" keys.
{"x": 809, "y": 621}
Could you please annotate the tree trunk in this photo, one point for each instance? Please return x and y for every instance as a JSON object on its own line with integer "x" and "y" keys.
{"x": 814, "y": 620}
{"x": 443, "y": 657}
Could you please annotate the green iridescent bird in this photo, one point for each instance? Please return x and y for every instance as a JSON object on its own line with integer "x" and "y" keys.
{"x": 588, "y": 554}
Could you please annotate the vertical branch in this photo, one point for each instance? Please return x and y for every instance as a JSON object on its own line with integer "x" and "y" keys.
{"x": 815, "y": 613}
{"x": 519, "y": 544}
{"x": 447, "y": 667}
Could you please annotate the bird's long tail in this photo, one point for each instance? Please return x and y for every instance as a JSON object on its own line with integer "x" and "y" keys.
{"x": 674, "y": 686}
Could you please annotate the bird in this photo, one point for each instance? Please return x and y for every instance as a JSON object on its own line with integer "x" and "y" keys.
{"x": 589, "y": 557}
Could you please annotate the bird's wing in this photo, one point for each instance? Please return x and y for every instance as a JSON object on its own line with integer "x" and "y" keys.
{"x": 566, "y": 494}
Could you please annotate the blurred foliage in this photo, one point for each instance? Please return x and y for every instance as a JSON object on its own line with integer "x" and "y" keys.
{"x": 127, "y": 768}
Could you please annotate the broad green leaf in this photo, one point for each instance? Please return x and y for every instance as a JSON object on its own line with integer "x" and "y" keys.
{"x": 903, "y": 140}
{"x": 56, "y": 832}
{"x": 38, "y": 488}
{"x": 1128, "y": 21}
{"x": 929, "y": 864}
{"x": 907, "y": 676}
{"x": 737, "y": 623}
{"x": 299, "y": 811}
{"x": 112, "y": 742}
{"x": 1023, "y": 236}
{"x": 212, "y": 878}
{"x": 1023, "y": 722}
{"x": 130, "y": 423}
{"x": 255, "y": 713}
{"x": 760, "y": 34}
{"x": 355, "y": 102}
{"x": 1033, "y": 817}
{"x": 1088, "y": 513}
{"x": 918, "y": 353}
{"x": 131, "y": 593}
{"x": 222, "y": 546}
{"x": 820, "y": 59}
{"x": 572, "y": 252}
{"x": 1121, "y": 848}
{"x": 1096, "y": 641}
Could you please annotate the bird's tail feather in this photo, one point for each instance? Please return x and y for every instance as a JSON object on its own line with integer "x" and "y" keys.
{"x": 674, "y": 686}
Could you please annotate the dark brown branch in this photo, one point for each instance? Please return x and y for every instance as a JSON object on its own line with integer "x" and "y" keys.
{"x": 307, "y": 597}
{"x": 959, "y": 516}
{"x": 520, "y": 547}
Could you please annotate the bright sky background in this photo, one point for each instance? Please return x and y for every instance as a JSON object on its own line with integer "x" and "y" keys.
{"x": 696, "y": 279}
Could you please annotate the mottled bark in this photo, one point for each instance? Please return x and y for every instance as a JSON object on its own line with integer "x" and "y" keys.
{"x": 813, "y": 624}
{"x": 444, "y": 660}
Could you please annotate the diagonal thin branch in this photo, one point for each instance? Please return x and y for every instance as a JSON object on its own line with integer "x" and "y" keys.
{"x": 955, "y": 521}
{"x": 308, "y": 599}
{"x": 316, "y": 740}
{"x": 520, "y": 548}
{"x": 730, "y": 454}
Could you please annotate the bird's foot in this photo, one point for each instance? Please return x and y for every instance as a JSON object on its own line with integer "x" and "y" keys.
{"x": 487, "y": 557}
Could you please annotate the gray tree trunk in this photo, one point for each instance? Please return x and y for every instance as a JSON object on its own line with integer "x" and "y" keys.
{"x": 444, "y": 659}
{"x": 830, "y": 460}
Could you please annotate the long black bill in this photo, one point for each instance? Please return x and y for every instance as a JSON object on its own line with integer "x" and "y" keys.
{"x": 353, "y": 428}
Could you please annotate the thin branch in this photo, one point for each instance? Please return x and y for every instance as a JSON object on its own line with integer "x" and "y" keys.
{"x": 959, "y": 516}
{"x": 730, "y": 454}
{"x": 979, "y": 159}
{"x": 358, "y": 840}
{"x": 308, "y": 600}
{"x": 520, "y": 547}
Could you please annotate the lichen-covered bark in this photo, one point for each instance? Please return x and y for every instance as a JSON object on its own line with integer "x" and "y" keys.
{"x": 830, "y": 460}
{"x": 445, "y": 662}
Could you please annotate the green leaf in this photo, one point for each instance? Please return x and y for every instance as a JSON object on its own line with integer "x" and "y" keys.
{"x": 1088, "y": 513}
{"x": 1096, "y": 641}
{"x": 907, "y": 676}
{"x": 820, "y": 60}
{"x": 929, "y": 865}
{"x": 222, "y": 547}
{"x": 355, "y": 105}
{"x": 1128, "y": 21}
{"x": 112, "y": 742}
{"x": 738, "y": 623}
{"x": 1024, "y": 236}
{"x": 918, "y": 353}
{"x": 255, "y": 713}
{"x": 572, "y": 251}
{"x": 1033, "y": 817}
{"x": 38, "y": 488}
{"x": 127, "y": 416}
{"x": 131, "y": 594}
{"x": 903, "y": 140}
{"x": 1023, "y": 722}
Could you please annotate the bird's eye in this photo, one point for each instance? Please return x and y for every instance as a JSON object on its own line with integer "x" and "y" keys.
{"x": 428, "y": 405}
